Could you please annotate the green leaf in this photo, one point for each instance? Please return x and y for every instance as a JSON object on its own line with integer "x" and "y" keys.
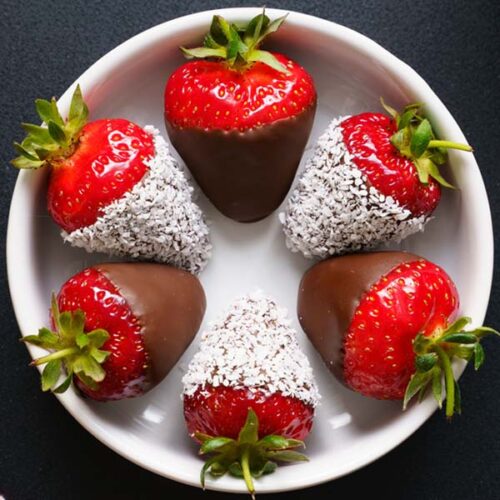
{"x": 272, "y": 27}
{"x": 89, "y": 367}
{"x": 458, "y": 325}
{"x": 48, "y": 337}
{"x": 462, "y": 351}
{"x": 220, "y": 30}
{"x": 482, "y": 331}
{"x": 47, "y": 110}
{"x": 406, "y": 118}
{"x": 99, "y": 355}
{"x": 425, "y": 362}
{"x": 202, "y": 437}
{"x": 460, "y": 338}
{"x": 78, "y": 110}
{"x": 23, "y": 162}
{"x": 64, "y": 386}
{"x": 255, "y": 28}
{"x": 392, "y": 112}
{"x": 437, "y": 386}
{"x": 24, "y": 152}
{"x": 32, "y": 339}
{"x": 203, "y": 52}
{"x": 57, "y": 133}
{"x": 38, "y": 135}
{"x": 218, "y": 468}
{"x": 205, "y": 469}
{"x": 77, "y": 321}
{"x": 417, "y": 382}
{"x": 236, "y": 470}
{"x": 210, "y": 43}
{"x": 269, "y": 468}
{"x": 249, "y": 432}
{"x": 87, "y": 381}
{"x": 478, "y": 356}
{"x": 436, "y": 174}
{"x": 287, "y": 456}
{"x": 50, "y": 374}
{"x": 267, "y": 58}
{"x": 54, "y": 309}
{"x": 82, "y": 340}
{"x": 98, "y": 337}
{"x": 215, "y": 444}
{"x": 272, "y": 442}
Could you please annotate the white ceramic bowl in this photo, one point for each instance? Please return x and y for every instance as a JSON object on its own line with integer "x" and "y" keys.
{"x": 351, "y": 72}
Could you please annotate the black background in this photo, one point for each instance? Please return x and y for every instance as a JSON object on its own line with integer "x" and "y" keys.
{"x": 44, "y": 46}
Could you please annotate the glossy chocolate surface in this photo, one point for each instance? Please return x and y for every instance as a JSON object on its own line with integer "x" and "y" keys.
{"x": 246, "y": 175}
{"x": 329, "y": 294}
{"x": 168, "y": 302}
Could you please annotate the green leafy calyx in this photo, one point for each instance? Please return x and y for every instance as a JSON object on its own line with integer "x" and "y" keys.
{"x": 79, "y": 353}
{"x": 55, "y": 138}
{"x": 248, "y": 456}
{"x": 433, "y": 356}
{"x": 237, "y": 45}
{"x": 416, "y": 140}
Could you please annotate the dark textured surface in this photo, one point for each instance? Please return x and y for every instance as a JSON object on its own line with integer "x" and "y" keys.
{"x": 44, "y": 46}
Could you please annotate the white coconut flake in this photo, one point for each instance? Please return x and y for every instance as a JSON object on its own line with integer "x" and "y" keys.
{"x": 334, "y": 211}
{"x": 252, "y": 346}
{"x": 155, "y": 220}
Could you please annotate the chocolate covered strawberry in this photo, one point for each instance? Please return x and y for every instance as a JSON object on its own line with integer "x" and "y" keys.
{"x": 114, "y": 187}
{"x": 240, "y": 117}
{"x": 385, "y": 324}
{"x": 118, "y": 329}
{"x": 373, "y": 178}
{"x": 249, "y": 393}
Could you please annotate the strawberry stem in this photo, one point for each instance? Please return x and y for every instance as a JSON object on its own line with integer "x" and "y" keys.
{"x": 449, "y": 380}
{"x": 436, "y": 143}
{"x": 245, "y": 467}
{"x": 55, "y": 355}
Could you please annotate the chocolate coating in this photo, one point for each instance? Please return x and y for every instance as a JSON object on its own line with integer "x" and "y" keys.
{"x": 169, "y": 304}
{"x": 246, "y": 175}
{"x": 329, "y": 294}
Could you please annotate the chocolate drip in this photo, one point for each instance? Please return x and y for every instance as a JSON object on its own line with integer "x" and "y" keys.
{"x": 246, "y": 175}
{"x": 329, "y": 294}
{"x": 169, "y": 304}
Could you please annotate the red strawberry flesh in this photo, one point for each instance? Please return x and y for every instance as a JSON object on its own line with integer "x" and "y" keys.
{"x": 209, "y": 95}
{"x": 367, "y": 137}
{"x": 222, "y": 411}
{"x": 105, "y": 308}
{"x": 415, "y": 297}
{"x": 107, "y": 161}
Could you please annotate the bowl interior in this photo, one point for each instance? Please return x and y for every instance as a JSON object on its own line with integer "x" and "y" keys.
{"x": 351, "y": 73}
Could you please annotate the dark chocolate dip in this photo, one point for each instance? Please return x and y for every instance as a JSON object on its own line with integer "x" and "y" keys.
{"x": 245, "y": 174}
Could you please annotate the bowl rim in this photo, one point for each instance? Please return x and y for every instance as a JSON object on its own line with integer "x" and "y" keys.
{"x": 108, "y": 63}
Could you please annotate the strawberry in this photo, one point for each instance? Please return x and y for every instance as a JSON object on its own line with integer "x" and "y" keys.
{"x": 118, "y": 329}
{"x": 249, "y": 393}
{"x": 374, "y": 178}
{"x": 385, "y": 324}
{"x": 114, "y": 187}
{"x": 241, "y": 119}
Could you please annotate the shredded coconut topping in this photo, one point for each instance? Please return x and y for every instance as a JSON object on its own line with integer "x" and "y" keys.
{"x": 253, "y": 346}
{"x": 155, "y": 220}
{"x": 333, "y": 210}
